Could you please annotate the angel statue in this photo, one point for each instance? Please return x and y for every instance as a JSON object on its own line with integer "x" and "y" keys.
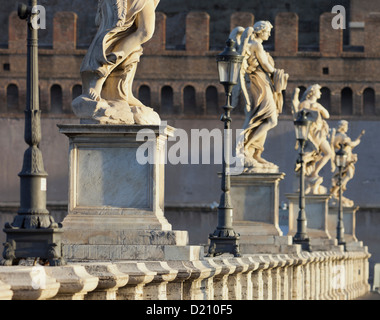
{"x": 317, "y": 149}
{"x": 109, "y": 67}
{"x": 340, "y": 138}
{"x": 261, "y": 85}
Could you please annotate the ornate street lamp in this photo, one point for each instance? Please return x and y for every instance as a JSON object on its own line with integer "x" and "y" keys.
{"x": 33, "y": 232}
{"x": 302, "y": 128}
{"x": 340, "y": 161}
{"x": 225, "y": 239}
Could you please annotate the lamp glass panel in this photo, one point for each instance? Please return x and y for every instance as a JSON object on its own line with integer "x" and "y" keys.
{"x": 341, "y": 160}
{"x": 223, "y": 71}
{"x": 234, "y": 72}
{"x": 301, "y": 132}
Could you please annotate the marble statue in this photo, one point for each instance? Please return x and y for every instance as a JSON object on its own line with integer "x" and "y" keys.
{"x": 339, "y": 137}
{"x": 317, "y": 149}
{"x": 109, "y": 67}
{"x": 261, "y": 85}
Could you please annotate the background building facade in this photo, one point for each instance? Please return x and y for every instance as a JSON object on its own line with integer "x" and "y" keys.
{"x": 177, "y": 77}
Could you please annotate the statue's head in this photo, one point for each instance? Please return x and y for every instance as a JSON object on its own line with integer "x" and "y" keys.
{"x": 343, "y": 125}
{"x": 262, "y": 29}
{"x": 312, "y": 91}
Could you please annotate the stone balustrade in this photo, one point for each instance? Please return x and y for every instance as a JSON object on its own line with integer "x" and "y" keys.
{"x": 307, "y": 275}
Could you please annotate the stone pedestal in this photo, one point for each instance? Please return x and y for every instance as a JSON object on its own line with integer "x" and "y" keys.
{"x": 255, "y": 201}
{"x": 317, "y": 220}
{"x": 116, "y": 196}
{"x": 349, "y": 222}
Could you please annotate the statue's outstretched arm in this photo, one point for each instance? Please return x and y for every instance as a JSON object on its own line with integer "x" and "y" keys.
{"x": 358, "y": 140}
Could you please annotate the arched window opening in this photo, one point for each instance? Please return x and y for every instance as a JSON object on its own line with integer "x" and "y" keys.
{"x": 76, "y": 92}
{"x": 369, "y": 101}
{"x": 212, "y": 106}
{"x": 144, "y": 95}
{"x": 325, "y": 99}
{"x": 12, "y": 98}
{"x": 167, "y": 104}
{"x": 302, "y": 91}
{"x": 56, "y": 102}
{"x": 347, "y": 102}
{"x": 189, "y": 102}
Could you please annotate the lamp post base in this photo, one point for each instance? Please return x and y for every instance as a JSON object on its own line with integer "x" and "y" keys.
{"x": 220, "y": 245}
{"x": 342, "y": 243}
{"x": 304, "y": 242}
{"x": 33, "y": 243}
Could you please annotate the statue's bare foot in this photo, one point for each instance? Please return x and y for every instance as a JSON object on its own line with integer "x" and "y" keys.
{"x": 93, "y": 95}
{"x": 261, "y": 160}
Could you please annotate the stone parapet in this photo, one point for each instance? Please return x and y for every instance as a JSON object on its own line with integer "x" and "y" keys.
{"x": 317, "y": 275}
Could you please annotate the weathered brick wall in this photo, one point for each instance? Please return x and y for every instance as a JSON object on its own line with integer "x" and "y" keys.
{"x": 65, "y": 32}
{"x": 286, "y": 33}
{"x": 371, "y": 35}
{"x": 330, "y": 40}
{"x": 176, "y": 10}
{"x": 359, "y": 10}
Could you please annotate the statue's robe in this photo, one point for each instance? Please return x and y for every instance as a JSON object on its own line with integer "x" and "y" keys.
{"x": 116, "y": 20}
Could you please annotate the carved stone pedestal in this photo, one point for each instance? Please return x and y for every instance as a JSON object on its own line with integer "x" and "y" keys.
{"x": 116, "y": 196}
{"x": 255, "y": 201}
{"x": 42, "y": 243}
{"x": 317, "y": 220}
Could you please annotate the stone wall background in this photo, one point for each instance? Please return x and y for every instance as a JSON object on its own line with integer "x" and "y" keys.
{"x": 189, "y": 184}
{"x": 192, "y": 190}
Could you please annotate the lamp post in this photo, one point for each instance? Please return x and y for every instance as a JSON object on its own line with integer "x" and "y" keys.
{"x": 225, "y": 239}
{"x": 302, "y": 128}
{"x": 33, "y": 232}
{"x": 340, "y": 161}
